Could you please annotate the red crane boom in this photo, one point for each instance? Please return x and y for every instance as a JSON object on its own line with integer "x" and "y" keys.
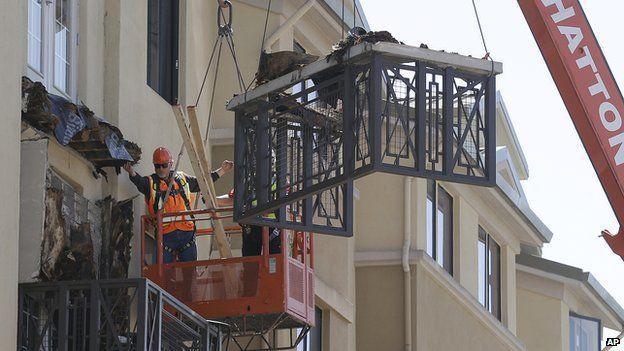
{"x": 589, "y": 91}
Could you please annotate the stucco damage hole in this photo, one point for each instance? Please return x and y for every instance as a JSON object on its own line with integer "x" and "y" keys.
{"x": 77, "y": 127}
{"x": 84, "y": 240}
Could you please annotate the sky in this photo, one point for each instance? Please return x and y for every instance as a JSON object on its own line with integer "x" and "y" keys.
{"x": 562, "y": 188}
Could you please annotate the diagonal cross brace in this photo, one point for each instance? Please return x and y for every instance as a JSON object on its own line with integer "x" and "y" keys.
{"x": 205, "y": 183}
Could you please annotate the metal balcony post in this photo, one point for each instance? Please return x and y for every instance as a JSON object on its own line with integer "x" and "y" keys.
{"x": 141, "y": 287}
{"x": 375, "y": 110}
{"x": 63, "y": 316}
{"x": 448, "y": 120}
{"x": 421, "y": 113}
{"x": 263, "y": 157}
{"x": 94, "y": 316}
{"x": 490, "y": 139}
{"x": 240, "y": 168}
{"x": 280, "y": 167}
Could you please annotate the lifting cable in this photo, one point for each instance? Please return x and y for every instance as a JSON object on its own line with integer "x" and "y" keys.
{"x": 266, "y": 24}
{"x": 342, "y": 24}
{"x": 356, "y": 10}
{"x": 487, "y": 52}
{"x": 225, "y": 33}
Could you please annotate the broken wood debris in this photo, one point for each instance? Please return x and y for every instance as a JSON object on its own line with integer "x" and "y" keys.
{"x": 75, "y": 126}
{"x": 73, "y": 251}
{"x": 356, "y": 36}
{"x": 276, "y": 64}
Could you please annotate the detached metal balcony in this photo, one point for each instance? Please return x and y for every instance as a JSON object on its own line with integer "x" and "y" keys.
{"x": 301, "y": 140}
{"x": 129, "y": 314}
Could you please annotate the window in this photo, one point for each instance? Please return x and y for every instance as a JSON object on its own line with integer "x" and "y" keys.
{"x": 62, "y": 41}
{"x": 308, "y": 82}
{"x": 314, "y": 340}
{"x": 35, "y": 45}
{"x": 162, "y": 48}
{"x": 52, "y": 42}
{"x": 585, "y": 333}
{"x": 440, "y": 225}
{"x": 489, "y": 273}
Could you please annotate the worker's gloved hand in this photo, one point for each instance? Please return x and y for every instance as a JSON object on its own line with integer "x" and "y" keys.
{"x": 128, "y": 168}
{"x": 227, "y": 166}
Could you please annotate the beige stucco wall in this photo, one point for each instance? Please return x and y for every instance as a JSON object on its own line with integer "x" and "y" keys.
{"x": 541, "y": 322}
{"x": 545, "y": 301}
{"x": 12, "y": 47}
{"x": 444, "y": 315}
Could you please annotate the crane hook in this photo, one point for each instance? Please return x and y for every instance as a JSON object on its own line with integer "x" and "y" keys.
{"x": 225, "y": 28}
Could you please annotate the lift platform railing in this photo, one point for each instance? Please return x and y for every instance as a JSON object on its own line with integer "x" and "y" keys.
{"x": 254, "y": 294}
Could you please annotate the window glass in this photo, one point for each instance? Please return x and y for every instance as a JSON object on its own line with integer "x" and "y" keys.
{"x": 584, "y": 333}
{"x": 62, "y": 44}
{"x": 439, "y": 225}
{"x": 494, "y": 278}
{"x": 430, "y": 226}
{"x": 489, "y": 273}
{"x": 481, "y": 266}
{"x": 313, "y": 341}
{"x": 35, "y": 12}
{"x": 445, "y": 230}
{"x": 162, "y": 48}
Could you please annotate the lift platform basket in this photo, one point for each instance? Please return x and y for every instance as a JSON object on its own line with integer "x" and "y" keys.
{"x": 301, "y": 140}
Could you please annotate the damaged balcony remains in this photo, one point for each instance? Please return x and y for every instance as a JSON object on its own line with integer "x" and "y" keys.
{"x": 302, "y": 138}
{"x": 80, "y": 238}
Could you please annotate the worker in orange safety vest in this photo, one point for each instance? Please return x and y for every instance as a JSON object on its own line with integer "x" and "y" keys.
{"x": 178, "y": 232}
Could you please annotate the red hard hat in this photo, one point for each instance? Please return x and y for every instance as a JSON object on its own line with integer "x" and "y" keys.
{"x": 162, "y": 156}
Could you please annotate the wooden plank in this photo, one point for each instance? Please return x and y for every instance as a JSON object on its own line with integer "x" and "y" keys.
{"x": 199, "y": 146}
{"x": 224, "y": 248}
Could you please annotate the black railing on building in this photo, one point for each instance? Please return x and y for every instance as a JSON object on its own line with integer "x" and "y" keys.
{"x": 299, "y": 146}
{"x": 125, "y": 314}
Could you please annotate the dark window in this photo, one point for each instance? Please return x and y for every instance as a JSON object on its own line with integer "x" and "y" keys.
{"x": 489, "y": 273}
{"x": 314, "y": 340}
{"x": 440, "y": 225}
{"x": 162, "y": 48}
{"x": 585, "y": 333}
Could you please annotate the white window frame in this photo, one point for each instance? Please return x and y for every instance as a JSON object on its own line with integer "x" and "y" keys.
{"x": 46, "y": 74}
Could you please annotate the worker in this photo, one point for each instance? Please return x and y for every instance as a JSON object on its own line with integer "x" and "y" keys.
{"x": 252, "y": 234}
{"x": 178, "y": 232}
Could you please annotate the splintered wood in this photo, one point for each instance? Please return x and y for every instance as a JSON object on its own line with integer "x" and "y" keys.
{"x": 201, "y": 167}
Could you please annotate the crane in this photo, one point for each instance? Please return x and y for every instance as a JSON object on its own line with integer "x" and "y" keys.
{"x": 589, "y": 91}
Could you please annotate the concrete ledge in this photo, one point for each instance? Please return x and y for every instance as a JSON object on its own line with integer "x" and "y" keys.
{"x": 335, "y": 300}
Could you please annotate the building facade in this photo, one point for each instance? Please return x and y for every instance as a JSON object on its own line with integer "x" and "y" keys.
{"x": 431, "y": 266}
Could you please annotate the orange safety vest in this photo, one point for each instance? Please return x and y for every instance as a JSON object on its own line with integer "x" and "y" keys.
{"x": 178, "y": 201}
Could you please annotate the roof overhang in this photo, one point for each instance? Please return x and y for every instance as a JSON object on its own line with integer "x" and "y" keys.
{"x": 582, "y": 284}
{"x": 515, "y": 149}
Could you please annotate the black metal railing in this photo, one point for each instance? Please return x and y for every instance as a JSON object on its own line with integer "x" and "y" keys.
{"x": 298, "y": 148}
{"x": 124, "y": 314}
